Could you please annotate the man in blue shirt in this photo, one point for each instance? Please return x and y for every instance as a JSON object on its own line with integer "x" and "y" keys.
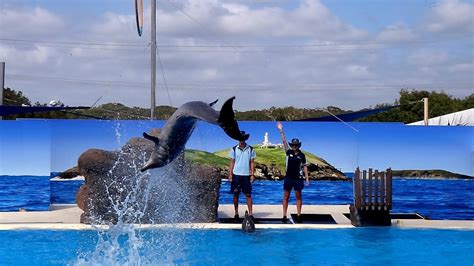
{"x": 241, "y": 172}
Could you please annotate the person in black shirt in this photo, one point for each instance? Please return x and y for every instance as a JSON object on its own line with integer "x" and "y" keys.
{"x": 296, "y": 168}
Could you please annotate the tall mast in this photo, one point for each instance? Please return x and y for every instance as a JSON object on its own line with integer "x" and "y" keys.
{"x": 153, "y": 59}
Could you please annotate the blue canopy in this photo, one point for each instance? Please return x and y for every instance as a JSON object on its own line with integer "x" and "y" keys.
{"x": 349, "y": 117}
{"x": 13, "y": 110}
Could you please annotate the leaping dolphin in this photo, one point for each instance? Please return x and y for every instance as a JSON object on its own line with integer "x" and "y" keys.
{"x": 179, "y": 127}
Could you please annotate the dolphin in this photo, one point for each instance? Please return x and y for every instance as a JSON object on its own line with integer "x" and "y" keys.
{"x": 248, "y": 224}
{"x": 179, "y": 127}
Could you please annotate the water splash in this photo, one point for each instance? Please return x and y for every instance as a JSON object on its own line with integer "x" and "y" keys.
{"x": 135, "y": 198}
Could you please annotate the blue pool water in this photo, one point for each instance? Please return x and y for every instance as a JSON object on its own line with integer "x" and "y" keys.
{"x": 438, "y": 199}
{"x": 361, "y": 246}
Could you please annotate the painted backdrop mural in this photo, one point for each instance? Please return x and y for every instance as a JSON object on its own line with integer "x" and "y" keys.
{"x": 40, "y": 149}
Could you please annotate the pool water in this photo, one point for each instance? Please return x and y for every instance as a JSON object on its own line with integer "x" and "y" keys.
{"x": 359, "y": 246}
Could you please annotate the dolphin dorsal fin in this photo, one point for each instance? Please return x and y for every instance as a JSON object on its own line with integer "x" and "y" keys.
{"x": 214, "y": 102}
{"x": 156, "y": 140}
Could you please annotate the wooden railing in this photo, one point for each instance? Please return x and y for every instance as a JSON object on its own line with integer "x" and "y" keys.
{"x": 372, "y": 189}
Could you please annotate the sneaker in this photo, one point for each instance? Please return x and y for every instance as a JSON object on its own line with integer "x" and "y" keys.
{"x": 236, "y": 216}
{"x": 251, "y": 217}
{"x": 285, "y": 220}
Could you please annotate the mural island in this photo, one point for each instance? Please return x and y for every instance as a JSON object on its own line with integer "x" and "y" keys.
{"x": 269, "y": 164}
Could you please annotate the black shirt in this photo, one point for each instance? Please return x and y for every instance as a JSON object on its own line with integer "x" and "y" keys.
{"x": 294, "y": 164}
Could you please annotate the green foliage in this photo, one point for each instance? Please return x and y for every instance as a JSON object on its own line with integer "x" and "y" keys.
{"x": 120, "y": 111}
{"x": 412, "y": 109}
{"x": 206, "y": 158}
{"x": 468, "y": 102}
{"x": 14, "y": 98}
{"x": 283, "y": 114}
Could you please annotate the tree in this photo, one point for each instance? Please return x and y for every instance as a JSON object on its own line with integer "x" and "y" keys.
{"x": 411, "y": 109}
{"x": 14, "y": 98}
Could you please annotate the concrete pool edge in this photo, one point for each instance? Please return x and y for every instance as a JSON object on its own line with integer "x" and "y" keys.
{"x": 452, "y": 225}
{"x": 66, "y": 217}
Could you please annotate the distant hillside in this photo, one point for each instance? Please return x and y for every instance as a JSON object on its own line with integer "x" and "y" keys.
{"x": 120, "y": 111}
{"x": 429, "y": 174}
{"x": 440, "y": 104}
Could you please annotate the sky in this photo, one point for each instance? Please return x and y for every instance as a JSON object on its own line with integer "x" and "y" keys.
{"x": 37, "y": 147}
{"x": 310, "y": 54}
{"x": 25, "y": 148}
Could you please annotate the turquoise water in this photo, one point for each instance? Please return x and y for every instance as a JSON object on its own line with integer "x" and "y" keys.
{"x": 360, "y": 246}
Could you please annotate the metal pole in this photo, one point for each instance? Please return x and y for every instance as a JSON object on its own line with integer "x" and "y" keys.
{"x": 153, "y": 58}
{"x": 2, "y": 82}
{"x": 426, "y": 111}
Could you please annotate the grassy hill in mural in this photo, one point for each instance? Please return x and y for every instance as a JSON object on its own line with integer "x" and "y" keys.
{"x": 270, "y": 164}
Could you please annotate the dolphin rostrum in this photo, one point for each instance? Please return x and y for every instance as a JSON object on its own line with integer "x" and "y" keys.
{"x": 248, "y": 225}
{"x": 179, "y": 127}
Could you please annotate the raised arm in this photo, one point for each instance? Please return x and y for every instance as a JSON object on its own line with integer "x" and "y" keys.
{"x": 282, "y": 135}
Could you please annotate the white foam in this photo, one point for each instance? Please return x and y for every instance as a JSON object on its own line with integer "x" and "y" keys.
{"x": 76, "y": 178}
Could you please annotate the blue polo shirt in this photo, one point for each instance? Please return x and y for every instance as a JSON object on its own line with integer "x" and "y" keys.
{"x": 242, "y": 157}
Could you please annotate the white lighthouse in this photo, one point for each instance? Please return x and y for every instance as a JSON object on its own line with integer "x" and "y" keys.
{"x": 267, "y": 144}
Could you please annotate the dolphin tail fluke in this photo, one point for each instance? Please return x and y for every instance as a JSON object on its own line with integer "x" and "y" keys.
{"x": 248, "y": 225}
{"x": 228, "y": 123}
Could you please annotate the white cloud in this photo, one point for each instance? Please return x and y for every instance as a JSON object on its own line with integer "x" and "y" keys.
{"x": 462, "y": 67}
{"x": 342, "y": 68}
{"x": 359, "y": 72}
{"x": 396, "y": 33}
{"x": 427, "y": 58}
{"x": 452, "y": 15}
{"x": 30, "y": 22}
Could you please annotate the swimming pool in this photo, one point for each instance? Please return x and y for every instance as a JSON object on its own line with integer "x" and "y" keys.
{"x": 376, "y": 246}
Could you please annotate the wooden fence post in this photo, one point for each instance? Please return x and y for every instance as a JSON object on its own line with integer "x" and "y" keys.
{"x": 383, "y": 188}
{"x": 376, "y": 188}
{"x": 370, "y": 188}
{"x": 364, "y": 191}
{"x": 389, "y": 188}
{"x": 356, "y": 184}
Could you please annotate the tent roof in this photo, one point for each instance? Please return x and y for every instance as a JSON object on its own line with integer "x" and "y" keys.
{"x": 461, "y": 118}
